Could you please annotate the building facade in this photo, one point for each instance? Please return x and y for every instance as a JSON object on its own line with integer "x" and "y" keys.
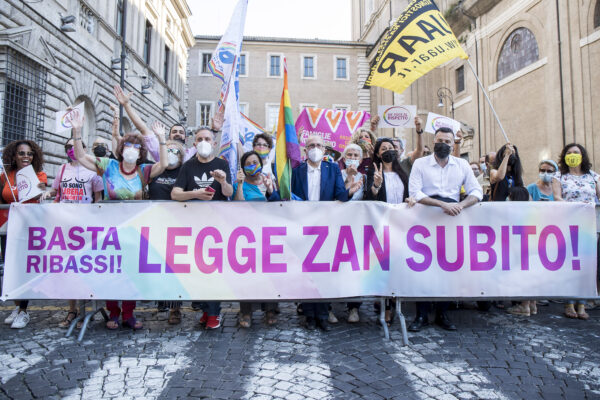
{"x": 59, "y": 53}
{"x": 536, "y": 60}
{"x": 326, "y": 74}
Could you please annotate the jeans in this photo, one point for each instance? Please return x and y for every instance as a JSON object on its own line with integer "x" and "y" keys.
{"x": 212, "y": 308}
{"x": 576, "y": 302}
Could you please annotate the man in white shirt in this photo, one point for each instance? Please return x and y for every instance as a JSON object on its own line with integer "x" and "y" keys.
{"x": 436, "y": 180}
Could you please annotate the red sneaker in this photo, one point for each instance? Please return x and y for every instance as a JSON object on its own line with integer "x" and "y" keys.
{"x": 214, "y": 321}
{"x": 204, "y": 318}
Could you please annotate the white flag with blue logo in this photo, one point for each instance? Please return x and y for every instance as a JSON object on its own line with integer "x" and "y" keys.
{"x": 224, "y": 64}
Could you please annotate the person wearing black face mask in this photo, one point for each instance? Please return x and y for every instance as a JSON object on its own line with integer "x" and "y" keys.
{"x": 386, "y": 181}
{"x": 506, "y": 172}
{"x": 436, "y": 180}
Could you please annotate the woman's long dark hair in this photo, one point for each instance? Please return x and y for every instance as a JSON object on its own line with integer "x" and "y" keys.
{"x": 395, "y": 165}
{"x": 516, "y": 168}
{"x": 586, "y": 165}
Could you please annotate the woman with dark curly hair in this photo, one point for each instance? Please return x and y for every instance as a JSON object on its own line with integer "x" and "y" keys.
{"x": 124, "y": 179}
{"x": 578, "y": 183}
{"x": 18, "y": 155}
{"x": 506, "y": 173}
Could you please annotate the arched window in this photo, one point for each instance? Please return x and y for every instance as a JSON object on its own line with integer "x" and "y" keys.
{"x": 597, "y": 15}
{"x": 519, "y": 50}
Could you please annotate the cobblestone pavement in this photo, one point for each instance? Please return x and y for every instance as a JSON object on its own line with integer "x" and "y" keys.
{"x": 492, "y": 356}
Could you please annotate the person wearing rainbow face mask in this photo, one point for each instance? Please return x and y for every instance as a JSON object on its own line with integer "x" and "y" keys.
{"x": 262, "y": 144}
{"x": 247, "y": 188}
{"x": 578, "y": 183}
{"x": 74, "y": 184}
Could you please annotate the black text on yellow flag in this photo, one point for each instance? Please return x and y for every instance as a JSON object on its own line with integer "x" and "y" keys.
{"x": 419, "y": 41}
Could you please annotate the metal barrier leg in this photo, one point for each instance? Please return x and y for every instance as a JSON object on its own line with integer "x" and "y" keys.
{"x": 80, "y": 316}
{"x": 386, "y": 331}
{"x": 87, "y": 319}
{"x": 402, "y": 322}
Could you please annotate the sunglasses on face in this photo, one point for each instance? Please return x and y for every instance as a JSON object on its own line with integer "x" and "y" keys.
{"x": 25, "y": 153}
{"x": 136, "y": 145}
{"x": 546, "y": 171}
{"x": 174, "y": 151}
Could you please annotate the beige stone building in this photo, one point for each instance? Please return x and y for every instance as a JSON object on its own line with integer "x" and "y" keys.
{"x": 58, "y": 53}
{"x": 328, "y": 74}
{"x": 536, "y": 59}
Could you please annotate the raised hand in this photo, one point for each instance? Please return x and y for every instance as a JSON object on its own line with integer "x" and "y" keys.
{"x": 122, "y": 97}
{"x": 241, "y": 176}
{"x": 159, "y": 129}
{"x": 418, "y": 124}
{"x": 378, "y": 175}
{"x": 374, "y": 122}
{"x": 355, "y": 187}
{"x": 76, "y": 119}
{"x": 268, "y": 182}
{"x": 351, "y": 170}
{"x": 218, "y": 119}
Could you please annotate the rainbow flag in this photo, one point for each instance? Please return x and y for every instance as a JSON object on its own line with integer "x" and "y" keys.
{"x": 287, "y": 149}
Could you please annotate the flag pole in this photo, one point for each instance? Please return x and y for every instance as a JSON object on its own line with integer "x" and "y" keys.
{"x": 488, "y": 100}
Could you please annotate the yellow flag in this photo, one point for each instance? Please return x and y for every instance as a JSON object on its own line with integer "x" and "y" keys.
{"x": 419, "y": 41}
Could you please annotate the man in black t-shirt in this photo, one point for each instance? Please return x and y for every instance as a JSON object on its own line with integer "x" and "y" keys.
{"x": 204, "y": 177}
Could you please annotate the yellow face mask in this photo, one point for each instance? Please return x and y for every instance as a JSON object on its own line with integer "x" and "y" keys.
{"x": 573, "y": 160}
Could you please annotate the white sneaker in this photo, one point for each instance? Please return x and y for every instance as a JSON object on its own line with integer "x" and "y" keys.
{"x": 9, "y": 320}
{"x": 332, "y": 319}
{"x": 21, "y": 321}
{"x": 353, "y": 316}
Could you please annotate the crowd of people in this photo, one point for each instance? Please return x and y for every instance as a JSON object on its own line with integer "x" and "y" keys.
{"x": 369, "y": 169}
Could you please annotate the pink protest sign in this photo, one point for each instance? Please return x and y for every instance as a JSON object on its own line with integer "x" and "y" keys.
{"x": 336, "y": 127}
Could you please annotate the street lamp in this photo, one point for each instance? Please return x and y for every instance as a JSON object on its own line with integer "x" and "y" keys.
{"x": 442, "y": 93}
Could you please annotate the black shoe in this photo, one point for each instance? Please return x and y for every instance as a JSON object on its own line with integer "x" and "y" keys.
{"x": 299, "y": 310}
{"x": 419, "y": 322}
{"x": 311, "y": 323}
{"x": 323, "y": 324}
{"x": 444, "y": 322}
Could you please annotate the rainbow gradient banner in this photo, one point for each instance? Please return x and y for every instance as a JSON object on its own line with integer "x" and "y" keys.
{"x": 298, "y": 250}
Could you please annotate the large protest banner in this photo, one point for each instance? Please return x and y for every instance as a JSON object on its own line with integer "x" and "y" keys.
{"x": 336, "y": 127}
{"x": 297, "y": 250}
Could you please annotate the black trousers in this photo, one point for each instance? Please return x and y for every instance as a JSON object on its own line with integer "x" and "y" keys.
{"x": 316, "y": 310}
{"x": 423, "y": 307}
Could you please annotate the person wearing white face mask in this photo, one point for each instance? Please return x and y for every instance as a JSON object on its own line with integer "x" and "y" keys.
{"x": 124, "y": 179}
{"x": 353, "y": 179}
{"x": 317, "y": 180}
{"x": 204, "y": 177}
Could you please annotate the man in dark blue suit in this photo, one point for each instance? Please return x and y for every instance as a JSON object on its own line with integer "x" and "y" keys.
{"x": 317, "y": 180}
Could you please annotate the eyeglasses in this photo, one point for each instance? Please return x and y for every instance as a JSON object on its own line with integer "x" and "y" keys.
{"x": 546, "y": 171}
{"x": 25, "y": 153}
{"x": 261, "y": 144}
{"x": 136, "y": 145}
{"x": 314, "y": 146}
{"x": 174, "y": 151}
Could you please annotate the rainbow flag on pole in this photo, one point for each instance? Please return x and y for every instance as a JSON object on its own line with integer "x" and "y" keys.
{"x": 287, "y": 149}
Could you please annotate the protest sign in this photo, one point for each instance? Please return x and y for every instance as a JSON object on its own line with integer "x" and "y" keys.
{"x": 397, "y": 116}
{"x": 336, "y": 127}
{"x": 298, "y": 250}
{"x": 436, "y": 121}
{"x": 63, "y": 118}
{"x": 27, "y": 184}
